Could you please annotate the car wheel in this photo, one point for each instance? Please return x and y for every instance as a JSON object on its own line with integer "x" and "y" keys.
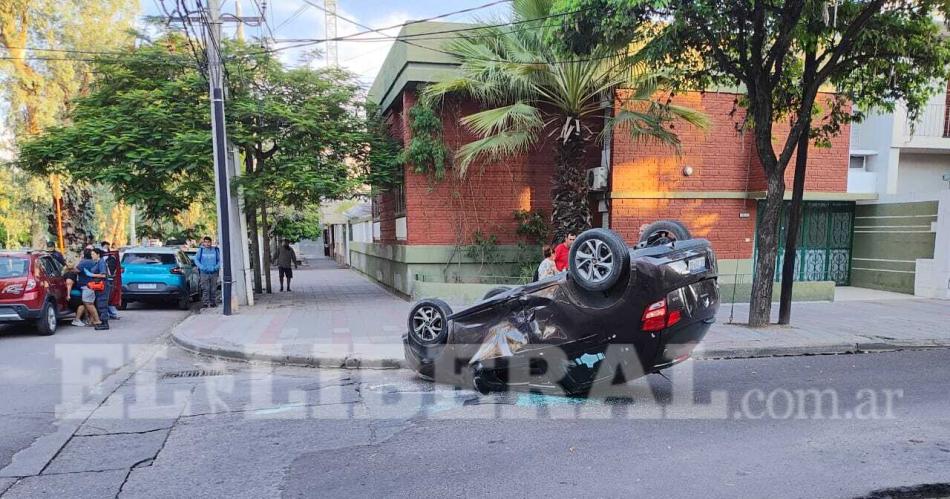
{"x": 496, "y": 291}
{"x": 48, "y": 320}
{"x": 429, "y": 322}
{"x": 663, "y": 232}
{"x": 124, "y": 304}
{"x": 184, "y": 300}
{"x": 598, "y": 258}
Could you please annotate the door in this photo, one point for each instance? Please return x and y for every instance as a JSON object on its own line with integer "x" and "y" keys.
{"x": 56, "y": 284}
{"x": 189, "y": 271}
{"x": 824, "y": 242}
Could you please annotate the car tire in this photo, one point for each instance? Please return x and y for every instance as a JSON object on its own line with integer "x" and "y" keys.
{"x": 496, "y": 291}
{"x": 597, "y": 259}
{"x": 429, "y": 322}
{"x": 184, "y": 300}
{"x": 48, "y": 320}
{"x": 124, "y": 304}
{"x": 659, "y": 232}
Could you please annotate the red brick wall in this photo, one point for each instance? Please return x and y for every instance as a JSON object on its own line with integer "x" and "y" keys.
{"x": 722, "y": 159}
{"x": 715, "y": 219}
{"x": 827, "y": 167}
{"x": 451, "y": 210}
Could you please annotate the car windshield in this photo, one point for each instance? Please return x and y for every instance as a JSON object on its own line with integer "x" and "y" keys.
{"x": 13, "y": 266}
{"x": 148, "y": 258}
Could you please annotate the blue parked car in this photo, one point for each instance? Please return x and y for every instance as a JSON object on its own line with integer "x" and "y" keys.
{"x": 158, "y": 275}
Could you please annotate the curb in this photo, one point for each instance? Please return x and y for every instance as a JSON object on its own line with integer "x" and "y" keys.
{"x": 239, "y": 354}
{"x": 739, "y": 352}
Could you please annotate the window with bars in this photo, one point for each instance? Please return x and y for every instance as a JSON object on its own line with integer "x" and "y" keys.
{"x": 399, "y": 199}
{"x": 377, "y": 206}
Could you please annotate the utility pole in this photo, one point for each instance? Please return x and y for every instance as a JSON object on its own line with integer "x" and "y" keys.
{"x": 329, "y": 11}
{"x": 220, "y": 146}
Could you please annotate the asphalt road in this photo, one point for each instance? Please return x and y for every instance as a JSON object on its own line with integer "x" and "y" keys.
{"x": 185, "y": 426}
{"x": 32, "y": 381}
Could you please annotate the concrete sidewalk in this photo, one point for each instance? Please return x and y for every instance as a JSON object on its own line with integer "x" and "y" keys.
{"x": 338, "y": 318}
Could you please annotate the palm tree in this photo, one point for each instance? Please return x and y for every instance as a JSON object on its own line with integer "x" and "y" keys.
{"x": 534, "y": 91}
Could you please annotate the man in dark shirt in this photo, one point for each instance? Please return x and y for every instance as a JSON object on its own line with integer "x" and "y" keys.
{"x": 91, "y": 268}
{"x": 285, "y": 258}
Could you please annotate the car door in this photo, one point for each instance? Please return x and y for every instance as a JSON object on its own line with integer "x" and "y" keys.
{"x": 56, "y": 284}
{"x": 188, "y": 267}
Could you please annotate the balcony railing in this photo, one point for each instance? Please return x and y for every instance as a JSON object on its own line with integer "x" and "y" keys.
{"x": 934, "y": 121}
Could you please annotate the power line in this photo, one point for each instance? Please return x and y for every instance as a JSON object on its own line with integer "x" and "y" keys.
{"x": 352, "y": 37}
{"x": 404, "y": 40}
{"x": 262, "y": 10}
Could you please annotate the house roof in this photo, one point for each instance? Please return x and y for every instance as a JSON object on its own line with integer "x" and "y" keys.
{"x": 420, "y": 60}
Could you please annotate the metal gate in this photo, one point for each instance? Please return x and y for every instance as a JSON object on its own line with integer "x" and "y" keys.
{"x": 824, "y": 241}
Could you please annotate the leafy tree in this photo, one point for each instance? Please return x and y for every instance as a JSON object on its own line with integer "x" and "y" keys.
{"x": 876, "y": 53}
{"x": 533, "y": 90}
{"x": 297, "y": 226}
{"x": 47, "y": 46}
{"x": 142, "y": 131}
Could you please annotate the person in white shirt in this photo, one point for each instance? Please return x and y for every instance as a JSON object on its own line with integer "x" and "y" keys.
{"x": 547, "y": 268}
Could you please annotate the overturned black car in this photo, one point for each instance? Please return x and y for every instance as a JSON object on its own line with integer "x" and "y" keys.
{"x": 617, "y": 314}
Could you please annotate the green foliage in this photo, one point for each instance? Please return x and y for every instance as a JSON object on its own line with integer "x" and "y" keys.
{"x": 297, "y": 226}
{"x": 876, "y": 53}
{"x": 531, "y": 91}
{"x": 533, "y": 226}
{"x": 302, "y": 127}
{"x": 143, "y": 130}
{"x": 535, "y": 231}
{"x": 383, "y": 158}
{"x": 426, "y": 151}
{"x": 483, "y": 249}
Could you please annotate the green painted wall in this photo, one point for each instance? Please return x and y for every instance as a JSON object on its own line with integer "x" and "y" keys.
{"x": 464, "y": 294}
{"x": 888, "y": 239}
{"x": 398, "y": 266}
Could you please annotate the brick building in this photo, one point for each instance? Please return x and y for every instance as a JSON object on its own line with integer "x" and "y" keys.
{"x": 421, "y": 231}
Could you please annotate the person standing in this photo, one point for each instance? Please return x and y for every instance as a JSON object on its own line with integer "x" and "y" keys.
{"x": 563, "y": 251}
{"x": 53, "y": 252}
{"x": 547, "y": 268}
{"x": 285, "y": 258}
{"x": 87, "y": 275}
{"x": 73, "y": 293}
{"x": 111, "y": 259}
{"x": 208, "y": 261}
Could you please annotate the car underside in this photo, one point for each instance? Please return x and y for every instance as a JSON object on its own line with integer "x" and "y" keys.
{"x": 617, "y": 314}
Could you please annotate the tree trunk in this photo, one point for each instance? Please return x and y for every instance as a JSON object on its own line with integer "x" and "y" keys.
{"x": 571, "y": 209}
{"x": 791, "y": 237}
{"x": 798, "y": 192}
{"x": 761, "y": 304}
{"x": 250, "y": 213}
{"x": 265, "y": 229}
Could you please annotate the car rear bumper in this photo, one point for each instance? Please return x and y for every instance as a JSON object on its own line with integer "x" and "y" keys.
{"x": 135, "y": 292}
{"x": 17, "y": 313}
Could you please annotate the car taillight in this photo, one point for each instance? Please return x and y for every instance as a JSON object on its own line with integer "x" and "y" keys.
{"x": 177, "y": 270}
{"x": 658, "y": 316}
{"x": 30, "y": 284}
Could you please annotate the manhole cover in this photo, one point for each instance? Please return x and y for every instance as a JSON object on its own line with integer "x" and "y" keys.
{"x": 195, "y": 373}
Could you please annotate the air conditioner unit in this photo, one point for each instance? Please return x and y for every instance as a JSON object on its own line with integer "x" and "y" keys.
{"x": 597, "y": 178}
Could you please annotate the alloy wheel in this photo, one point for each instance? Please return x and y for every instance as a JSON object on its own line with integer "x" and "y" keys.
{"x": 427, "y": 323}
{"x": 594, "y": 260}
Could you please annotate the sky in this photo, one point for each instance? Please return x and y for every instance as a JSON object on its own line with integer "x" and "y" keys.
{"x": 294, "y": 19}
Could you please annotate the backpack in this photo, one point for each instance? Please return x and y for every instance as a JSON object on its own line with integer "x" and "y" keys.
{"x": 217, "y": 255}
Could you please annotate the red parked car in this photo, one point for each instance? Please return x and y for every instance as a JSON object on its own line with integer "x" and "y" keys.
{"x": 32, "y": 289}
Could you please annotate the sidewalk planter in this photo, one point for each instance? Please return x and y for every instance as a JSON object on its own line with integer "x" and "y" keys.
{"x": 398, "y": 266}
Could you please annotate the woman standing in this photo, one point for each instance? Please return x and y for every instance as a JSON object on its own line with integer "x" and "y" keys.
{"x": 547, "y": 268}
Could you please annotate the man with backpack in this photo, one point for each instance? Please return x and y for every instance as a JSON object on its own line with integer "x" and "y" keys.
{"x": 208, "y": 261}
